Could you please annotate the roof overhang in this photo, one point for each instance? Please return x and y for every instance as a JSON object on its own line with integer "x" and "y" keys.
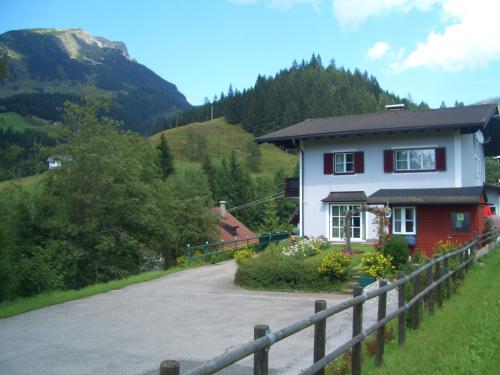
{"x": 438, "y": 196}
{"x": 358, "y": 125}
{"x": 345, "y": 197}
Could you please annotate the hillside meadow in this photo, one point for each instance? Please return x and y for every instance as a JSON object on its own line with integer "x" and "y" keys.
{"x": 18, "y": 122}
{"x": 222, "y": 139}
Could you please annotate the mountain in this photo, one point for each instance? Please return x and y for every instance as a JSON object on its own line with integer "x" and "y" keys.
{"x": 48, "y": 66}
{"x": 305, "y": 90}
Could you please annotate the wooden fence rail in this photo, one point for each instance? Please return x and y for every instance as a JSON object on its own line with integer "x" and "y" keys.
{"x": 425, "y": 289}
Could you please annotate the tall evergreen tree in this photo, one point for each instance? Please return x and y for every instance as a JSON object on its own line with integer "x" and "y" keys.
{"x": 165, "y": 157}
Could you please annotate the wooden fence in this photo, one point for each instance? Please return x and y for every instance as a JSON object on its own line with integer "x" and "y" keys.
{"x": 430, "y": 284}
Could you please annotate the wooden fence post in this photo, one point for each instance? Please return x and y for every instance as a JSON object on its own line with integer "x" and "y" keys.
{"x": 430, "y": 295}
{"x": 357, "y": 326}
{"x": 415, "y": 307}
{"x": 170, "y": 368}
{"x": 260, "y": 358}
{"x": 447, "y": 281}
{"x": 401, "y": 317}
{"x": 319, "y": 335}
{"x": 439, "y": 288}
{"x": 454, "y": 274}
{"x": 382, "y": 309}
{"x": 466, "y": 259}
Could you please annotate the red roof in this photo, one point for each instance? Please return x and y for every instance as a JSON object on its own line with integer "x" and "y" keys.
{"x": 230, "y": 227}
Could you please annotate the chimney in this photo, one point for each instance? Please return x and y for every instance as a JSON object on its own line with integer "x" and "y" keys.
{"x": 222, "y": 207}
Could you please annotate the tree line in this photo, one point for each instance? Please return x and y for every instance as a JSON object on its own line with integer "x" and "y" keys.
{"x": 305, "y": 90}
{"x": 109, "y": 212}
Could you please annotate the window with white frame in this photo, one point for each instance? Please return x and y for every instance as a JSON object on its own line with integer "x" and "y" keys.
{"x": 344, "y": 162}
{"x": 416, "y": 160}
{"x": 403, "y": 220}
{"x": 338, "y": 219}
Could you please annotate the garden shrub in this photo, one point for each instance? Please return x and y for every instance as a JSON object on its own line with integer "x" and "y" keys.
{"x": 377, "y": 265}
{"x": 268, "y": 271}
{"x": 243, "y": 256}
{"x": 335, "y": 265}
{"x": 397, "y": 248}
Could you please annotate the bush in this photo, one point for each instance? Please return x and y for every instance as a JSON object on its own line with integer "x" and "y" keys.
{"x": 397, "y": 248}
{"x": 377, "y": 265}
{"x": 335, "y": 265}
{"x": 268, "y": 271}
{"x": 243, "y": 256}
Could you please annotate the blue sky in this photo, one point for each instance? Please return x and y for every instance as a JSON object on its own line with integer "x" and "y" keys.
{"x": 432, "y": 49}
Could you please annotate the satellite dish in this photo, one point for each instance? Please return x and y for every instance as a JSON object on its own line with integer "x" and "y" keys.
{"x": 479, "y": 136}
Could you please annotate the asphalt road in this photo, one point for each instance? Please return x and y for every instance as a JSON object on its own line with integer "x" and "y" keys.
{"x": 190, "y": 316}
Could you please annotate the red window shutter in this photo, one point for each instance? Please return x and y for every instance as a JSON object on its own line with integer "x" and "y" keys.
{"x": 388, "y": 161}
{"x": 328, "y": 163}
{"x": 441, "y": 159}
{"x": 359, "y": 162}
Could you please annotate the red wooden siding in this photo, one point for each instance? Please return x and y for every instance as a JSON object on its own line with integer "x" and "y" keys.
{"x": 388, "y": 161}
{"x": 359, "y": 162}
{"x": 434, "y": 224}
{"x": 328, "y": 163}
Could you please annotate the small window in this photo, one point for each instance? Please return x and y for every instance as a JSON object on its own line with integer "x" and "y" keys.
{"x": 460, "y": 222}
{"x": 416, "y": 160}
{"x": 344, "y": 162}
{"x": 403, "y": 220}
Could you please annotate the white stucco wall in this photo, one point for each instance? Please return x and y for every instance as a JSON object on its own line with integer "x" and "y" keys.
{"x": 493, "y": 198}
{"x": 473, "y": 161}
{"x": 318, "y": 185}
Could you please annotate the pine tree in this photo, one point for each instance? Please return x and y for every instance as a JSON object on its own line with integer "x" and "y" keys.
{"x": 271, "y": 222}
{"x": 165, "y": 157}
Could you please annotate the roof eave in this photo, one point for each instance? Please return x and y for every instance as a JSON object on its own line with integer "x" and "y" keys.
{"x": 278, "y": 140}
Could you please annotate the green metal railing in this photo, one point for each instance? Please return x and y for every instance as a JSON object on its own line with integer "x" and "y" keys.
{"x": 208, "y": 251}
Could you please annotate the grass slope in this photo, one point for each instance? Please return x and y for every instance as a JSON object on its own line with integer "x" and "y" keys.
{"x": 22, "y": 305}
{"x": 17, "y": 122}
{"x": 222, "y": 138}
{"x": 463, "y": 338}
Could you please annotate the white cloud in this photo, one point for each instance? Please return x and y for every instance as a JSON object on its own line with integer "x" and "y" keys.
{"x": 378, "y": 50}
{"x": 471, "y": 41}
{"x": 351, "y": 13}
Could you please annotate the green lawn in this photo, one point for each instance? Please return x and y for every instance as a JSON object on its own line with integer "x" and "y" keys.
{"x": 463, "y": 338}
{"x": 17, "y": 122}
{"x": 23, "y": 305}
{"x": 222, "y": 138}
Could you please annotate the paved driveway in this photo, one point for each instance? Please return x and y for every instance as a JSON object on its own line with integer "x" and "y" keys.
{"x": 190, "y": 316}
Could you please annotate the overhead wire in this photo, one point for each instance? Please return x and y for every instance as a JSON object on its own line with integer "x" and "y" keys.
{"x": 258, "y": 201}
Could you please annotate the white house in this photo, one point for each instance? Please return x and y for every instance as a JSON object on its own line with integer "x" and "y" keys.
{"x": 429, "y": 166}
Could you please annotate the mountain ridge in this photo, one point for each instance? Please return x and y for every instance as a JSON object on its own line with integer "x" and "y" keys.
{"x": 45, "y": 62}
